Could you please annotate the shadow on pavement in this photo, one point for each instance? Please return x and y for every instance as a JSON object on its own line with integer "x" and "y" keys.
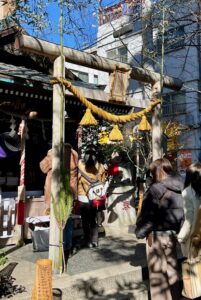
{"x": 9, "y": 289}
{"x": 111, "y": 251}
{"x": 123, "y": 290}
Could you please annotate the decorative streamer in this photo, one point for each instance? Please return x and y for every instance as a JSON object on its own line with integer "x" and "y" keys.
{"x": 12, "y": 126}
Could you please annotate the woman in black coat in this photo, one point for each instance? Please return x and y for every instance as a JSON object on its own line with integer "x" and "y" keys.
{"x": 160, "y": 219}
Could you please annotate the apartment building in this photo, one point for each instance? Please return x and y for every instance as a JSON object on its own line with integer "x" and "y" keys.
{"x": 122, "y": 34}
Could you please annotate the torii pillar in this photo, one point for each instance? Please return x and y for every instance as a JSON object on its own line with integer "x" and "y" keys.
{"x": 157, "y": 150}
{"x": 58, "y": 128}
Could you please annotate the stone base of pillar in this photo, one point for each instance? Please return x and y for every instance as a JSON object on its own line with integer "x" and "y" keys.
{"x": 120, "y": 215}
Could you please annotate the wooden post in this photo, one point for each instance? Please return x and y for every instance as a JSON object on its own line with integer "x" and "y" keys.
{"x": 157, "y": 151}
{"x": 57, "y": 145}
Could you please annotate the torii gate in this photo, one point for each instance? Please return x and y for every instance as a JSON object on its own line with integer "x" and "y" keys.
{"x": 30, "y": 44}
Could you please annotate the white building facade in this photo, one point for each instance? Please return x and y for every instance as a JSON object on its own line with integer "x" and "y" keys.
{"x": 120, "y": 37}
{"x": 88, "y": 75}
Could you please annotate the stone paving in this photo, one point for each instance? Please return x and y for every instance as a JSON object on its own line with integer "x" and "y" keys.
{"x": 106, "y": 267}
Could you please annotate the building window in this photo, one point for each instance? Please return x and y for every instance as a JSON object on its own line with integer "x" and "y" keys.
{"x": 174, "y": 39}
{"x": 81, "y": 75}
{"x": 95, "y": 79}
{"x": 174, "y": 104}
{"x": 119, "y": 54}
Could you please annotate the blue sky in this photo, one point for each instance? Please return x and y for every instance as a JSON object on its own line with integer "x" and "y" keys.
{"x": 87, "y": 20}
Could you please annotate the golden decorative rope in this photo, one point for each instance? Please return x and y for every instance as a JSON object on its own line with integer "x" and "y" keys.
{"x": 101, "y": 112}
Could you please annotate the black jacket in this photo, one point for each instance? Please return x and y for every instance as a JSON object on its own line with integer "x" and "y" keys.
{"x": 162, "y": 207}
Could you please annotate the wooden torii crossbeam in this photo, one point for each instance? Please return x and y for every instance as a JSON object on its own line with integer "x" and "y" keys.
{"x": 30, "y": 44}
{"x": 33, "y": 45}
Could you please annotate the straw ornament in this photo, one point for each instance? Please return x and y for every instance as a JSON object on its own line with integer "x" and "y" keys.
{"x": 88, "y": 119}
{"x": 144, "y": 124}
{"x": 115, "y": 134}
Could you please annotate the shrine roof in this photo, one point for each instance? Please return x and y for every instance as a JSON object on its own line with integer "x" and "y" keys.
{"x": 22, "y": 87}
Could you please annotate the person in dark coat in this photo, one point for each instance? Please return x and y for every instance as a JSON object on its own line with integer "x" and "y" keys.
{"x": 159, "y": 221}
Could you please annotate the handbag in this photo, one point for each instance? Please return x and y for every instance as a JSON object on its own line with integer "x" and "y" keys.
{"x": 40, "y": 239}
{"x": 191, "y": 275}
{"x": 196, "y": 235}
{"x": 96, "y": 192}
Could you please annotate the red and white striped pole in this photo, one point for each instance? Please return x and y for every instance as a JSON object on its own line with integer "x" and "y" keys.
{"x": 22, "y": 159}
{"x": 21, "y": 187}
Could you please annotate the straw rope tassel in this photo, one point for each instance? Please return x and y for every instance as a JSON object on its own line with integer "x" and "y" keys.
{"x": 88, "y": 119}
{"x": 115, "y": 134}
{"x": 144, "y": 124}
{"x": 101, "y": 112}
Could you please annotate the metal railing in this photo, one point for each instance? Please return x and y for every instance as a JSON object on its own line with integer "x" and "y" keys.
{"x": 173, "y": 109}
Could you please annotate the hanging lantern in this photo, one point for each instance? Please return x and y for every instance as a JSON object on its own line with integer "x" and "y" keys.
{"x": 88, "y": 119}
{"x": 144, "y": 124}
{"x": 115, "y": 134}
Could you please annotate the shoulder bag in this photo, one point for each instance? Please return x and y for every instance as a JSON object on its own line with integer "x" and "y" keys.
{"x": 191, "y": 275}
{"x": 96, "y": 191}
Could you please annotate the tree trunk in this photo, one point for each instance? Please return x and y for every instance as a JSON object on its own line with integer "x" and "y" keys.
{"x": 147, "y": 49}
{"x": 147, "y": 44}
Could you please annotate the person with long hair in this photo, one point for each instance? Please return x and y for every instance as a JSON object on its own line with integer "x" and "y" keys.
{"x": 89, "y": 170}
{"x": 192, "y": 201}
{"x": 159, "y": 221}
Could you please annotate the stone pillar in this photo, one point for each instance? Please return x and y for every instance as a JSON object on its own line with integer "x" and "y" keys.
{"x": 120, "y": 215}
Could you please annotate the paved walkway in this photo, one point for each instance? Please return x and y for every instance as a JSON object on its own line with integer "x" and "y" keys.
{"x": 114, "y": 256}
